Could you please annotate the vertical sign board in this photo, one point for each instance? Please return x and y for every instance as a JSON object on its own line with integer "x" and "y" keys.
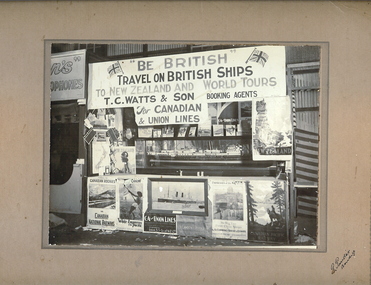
{"x": 102, "y": 202}
{"x": 229, "y": 216}
{"x": 267, "y": 210}
{"x": 175, "y": 89}
{"x": 67, "y": 75}
{"x": 131, "y": 201}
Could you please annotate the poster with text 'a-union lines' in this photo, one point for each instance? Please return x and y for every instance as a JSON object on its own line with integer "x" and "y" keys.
{"x": 175, "y": 89}
{"x": 229, "y": 215}
{"x": 102, "y": 193}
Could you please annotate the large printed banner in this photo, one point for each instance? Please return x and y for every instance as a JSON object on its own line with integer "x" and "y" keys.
{"x": 272, "y": 129}
{"x": 229, "y": 216}
{"x": 175, "y": 89}
{"x": 130, "y": 209}
{"x": 67, "y": 75}
{"x": 102, "y": 203}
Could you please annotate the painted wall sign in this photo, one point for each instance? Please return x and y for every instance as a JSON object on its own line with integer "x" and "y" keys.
{"x": 67, "y": 75}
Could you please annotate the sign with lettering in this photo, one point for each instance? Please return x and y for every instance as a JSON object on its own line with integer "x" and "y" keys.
{"x": 67, "y": 75}
{"x": 160, "y": 223}
{"x": 176, "y": 89}
{"x": 102, "y": 193}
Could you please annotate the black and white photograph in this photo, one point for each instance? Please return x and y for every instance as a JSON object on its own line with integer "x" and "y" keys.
{"x": 253, "y": 114}
{"x": 178, "y": 117}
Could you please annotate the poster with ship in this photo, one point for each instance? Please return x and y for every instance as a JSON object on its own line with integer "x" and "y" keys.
{"x": 102, "y": 213}
{"x": 266, "y": 206}
{"x": 130, "y": 203}
{"x": 272, "y": 129}
{"x": 229, "y": 216}
{"x": 123, "y": 159}
{"x": 178, "y": 196}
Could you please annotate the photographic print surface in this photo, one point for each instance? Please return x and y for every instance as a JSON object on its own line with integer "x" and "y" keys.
{"x": 185, "y": 137}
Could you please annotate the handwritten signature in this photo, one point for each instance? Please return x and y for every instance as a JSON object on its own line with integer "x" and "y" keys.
{"x": 340, "y": 263}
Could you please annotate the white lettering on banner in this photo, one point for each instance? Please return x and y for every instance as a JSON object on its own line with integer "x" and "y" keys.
{"x": 154, "y": 85}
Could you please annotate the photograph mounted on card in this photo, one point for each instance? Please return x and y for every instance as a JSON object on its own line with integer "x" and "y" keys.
{"x": 177, "y": 196}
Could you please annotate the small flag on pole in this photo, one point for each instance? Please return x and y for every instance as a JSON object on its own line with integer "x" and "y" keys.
{"x": 114, "y": 69}
{"x": 258, "y": 56}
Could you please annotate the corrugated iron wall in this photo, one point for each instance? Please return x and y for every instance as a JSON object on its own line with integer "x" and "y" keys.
{"x": 304, "y": 89}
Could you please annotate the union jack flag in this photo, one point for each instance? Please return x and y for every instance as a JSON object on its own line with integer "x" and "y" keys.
{"x": 258, "y": 56}
{"x": 114, "y": 69}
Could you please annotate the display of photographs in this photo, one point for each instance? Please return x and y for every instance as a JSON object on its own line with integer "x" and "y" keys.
{"x": 156, "y": 133}
{"x": 218, "y": 130}
{"x": 204, "y": 130}
{"x": 192, "y": 131}
{"x": 177, "y": 196}
{"x": 168, "y": 132}
{"x": 145, "y": 132}
{"x": 182, "y": 131}
{"x": 230, "y": 130}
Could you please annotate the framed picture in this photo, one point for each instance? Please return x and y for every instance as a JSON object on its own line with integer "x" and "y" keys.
{"x": 179, "y": 196}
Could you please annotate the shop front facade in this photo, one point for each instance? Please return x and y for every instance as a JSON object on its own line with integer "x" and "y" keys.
{"x": 213, "y": 141}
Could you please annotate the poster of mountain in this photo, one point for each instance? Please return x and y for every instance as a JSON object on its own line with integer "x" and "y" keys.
{"x": 102, "y": 212}
{"x": 267, "y": 210}
{"x": 229, "y": 216}
{"x": 272, "y": 129}
{"x": 130, "y": 204}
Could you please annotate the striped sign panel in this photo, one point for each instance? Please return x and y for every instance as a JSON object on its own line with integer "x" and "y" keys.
{"x": 307, "y": 206}
{"x": 306, "y": 156}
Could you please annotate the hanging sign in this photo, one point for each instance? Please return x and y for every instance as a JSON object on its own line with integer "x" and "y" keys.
{"x": 175, "y": 89}
{"x": 229, "y": 217}
{"x": 272, "y": 129}
{"x": 67, "y": 75}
